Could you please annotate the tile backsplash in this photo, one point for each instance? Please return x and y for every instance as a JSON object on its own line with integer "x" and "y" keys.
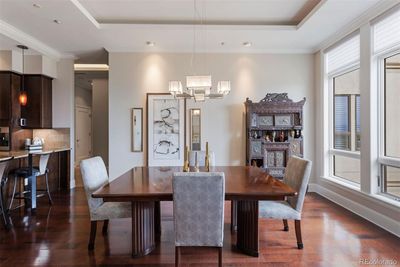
{"x": 59, "y": 137}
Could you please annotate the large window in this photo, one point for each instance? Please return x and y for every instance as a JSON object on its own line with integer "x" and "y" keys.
{"x": 346, "y": 128}
{"x": 386, "y": 48}
{"x": 390, "y": 126}
{"x": 344, "y": 79}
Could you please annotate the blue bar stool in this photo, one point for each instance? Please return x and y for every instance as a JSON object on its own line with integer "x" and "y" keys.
{"x": 3, "y": 181}
{"x": 23, "y": 173}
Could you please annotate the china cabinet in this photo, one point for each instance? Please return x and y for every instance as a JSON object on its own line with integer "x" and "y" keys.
{"x": 274, "y": 132}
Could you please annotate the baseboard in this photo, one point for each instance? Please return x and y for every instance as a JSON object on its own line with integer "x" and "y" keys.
{"x": 363, "y": 211}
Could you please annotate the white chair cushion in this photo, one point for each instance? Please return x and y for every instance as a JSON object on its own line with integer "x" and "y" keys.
{"x": 278, "y": 210}
{"x": 112, "y": 210}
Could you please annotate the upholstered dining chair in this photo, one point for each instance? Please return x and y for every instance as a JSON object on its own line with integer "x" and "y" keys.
{"x": 198, "y": 211}
{"x": 297, "y": 175}
{"x": 201, "y": 158}
{"x": 3, "y": 181}
{"x": 94, "y": 176}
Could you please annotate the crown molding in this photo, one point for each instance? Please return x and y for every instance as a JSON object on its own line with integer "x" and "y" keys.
{"x": 202, "y": 51}
{"x": 364, "y": 18}
{"x": 310, "y": 14}
{"x": 23, "y": 38}
{"x": 86, "y": 13}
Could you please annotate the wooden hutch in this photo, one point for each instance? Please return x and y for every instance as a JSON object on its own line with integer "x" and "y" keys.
{"x": 274, "y": 132}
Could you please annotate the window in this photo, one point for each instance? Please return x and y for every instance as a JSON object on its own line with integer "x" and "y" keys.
{"x": 346, "y": 136}
{"x": 386, "y": 48}
{"x": 343, "y": 76}
{"x": 390, "y": 127}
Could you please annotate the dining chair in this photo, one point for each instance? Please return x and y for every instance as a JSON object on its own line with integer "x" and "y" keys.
{"x": 201, "y": 158}
{"x": 198, "y": 211}
{"x": 3, "y": 181}
{"x": 23, "y": 173}
{"x": 297, "y": 175}
{"x": 94, "y": 176}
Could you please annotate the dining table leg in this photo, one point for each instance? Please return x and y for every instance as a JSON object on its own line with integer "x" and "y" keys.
{"x": 143, "y": 228}
{"x": 157, "y": 220}
{"x": 233, "y": 216}
{"x": 247, "y": 227}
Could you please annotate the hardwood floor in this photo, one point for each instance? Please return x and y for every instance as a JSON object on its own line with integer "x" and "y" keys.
{"x": 58, "y": 236}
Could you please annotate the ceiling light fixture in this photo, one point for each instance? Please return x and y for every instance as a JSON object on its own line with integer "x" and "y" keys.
{"x": 198, "y": 87}
{"x": 149, "y": 43}
{"x": 57, "y": 21}
{"x": 23, "y": 97}
{"x": 247, "y": 44}
{"x": 91, "y": 67}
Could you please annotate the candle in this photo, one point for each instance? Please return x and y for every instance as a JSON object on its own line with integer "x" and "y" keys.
{"x": 207, "y": 148}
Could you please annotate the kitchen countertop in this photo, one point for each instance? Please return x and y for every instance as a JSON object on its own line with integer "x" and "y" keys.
{"x": 18, "y": 154}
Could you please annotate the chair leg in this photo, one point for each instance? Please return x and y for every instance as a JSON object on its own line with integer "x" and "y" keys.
{"x": 220, "y": 257}
{"x": 285, "y": 225}
{"x": 105, "y": 227}
{"x": 93, "y": 228}
{"x": 298, "y": 234}
{"x": 48, "y": 189}
{"x": 177, "y": 256}
{"x": 4, "y": 211}
{"x": 13, "y": 193}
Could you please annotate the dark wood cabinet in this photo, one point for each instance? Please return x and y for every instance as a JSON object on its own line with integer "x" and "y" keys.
{"x": 274, "y": 132}
{"x": 38, "y": 110}
{"x": 10, "y": 110}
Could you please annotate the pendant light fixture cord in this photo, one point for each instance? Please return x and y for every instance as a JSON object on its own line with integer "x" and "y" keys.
{"x": 23, "y": 69}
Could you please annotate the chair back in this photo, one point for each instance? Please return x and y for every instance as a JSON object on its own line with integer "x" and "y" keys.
{"x": 43, "y": 160}
{"x": 94, "y": 176}
{"x": 201, "y": 158}
{"x": 297, "y": 175}
{"x": 3, "y": 167}
{"x": 199, "y": 208}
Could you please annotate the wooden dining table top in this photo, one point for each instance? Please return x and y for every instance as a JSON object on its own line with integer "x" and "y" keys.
{"x": 155, "y": 184}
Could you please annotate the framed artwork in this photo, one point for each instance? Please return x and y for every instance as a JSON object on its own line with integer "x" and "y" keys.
{"x": 195, "y": 129}
{"x": 283, "y": 120}
{"x": 137, "y": 130}
{"x": 165, "y": 130}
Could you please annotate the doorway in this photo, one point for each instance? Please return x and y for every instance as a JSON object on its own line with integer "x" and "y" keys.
{"x": 83, "y": 133}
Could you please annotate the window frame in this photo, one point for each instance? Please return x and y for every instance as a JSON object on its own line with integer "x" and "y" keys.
{"x": 382, "y": 159}
{"x": 331, "y": 129}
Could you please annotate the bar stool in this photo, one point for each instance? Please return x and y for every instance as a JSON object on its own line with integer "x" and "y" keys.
{"x": 23, "y": 173}
{"x": 3, "y": 181}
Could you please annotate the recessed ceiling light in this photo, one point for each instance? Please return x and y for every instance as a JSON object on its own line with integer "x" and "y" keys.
{"x": 222, "y": 43}
{"x": 57, "y": 21}
{"x": 247, "y": 44}
{"x": 37, "y": 5}
{"x": 149, "y": 43}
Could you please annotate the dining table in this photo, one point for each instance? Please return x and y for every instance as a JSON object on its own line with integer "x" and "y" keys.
{"x": 145, "y": 187}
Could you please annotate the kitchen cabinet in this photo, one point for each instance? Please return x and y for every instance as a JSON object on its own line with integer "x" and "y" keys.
{"x": 10, "y": 110}
{"x": 38, "y": 110}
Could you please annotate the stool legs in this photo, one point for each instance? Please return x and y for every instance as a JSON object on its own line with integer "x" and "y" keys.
{"x": 13, "y": 193}
{"x": 4, "y": 212}
{"x": 48, "y": 189}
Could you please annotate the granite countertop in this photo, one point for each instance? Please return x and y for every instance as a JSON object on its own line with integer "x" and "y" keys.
{"x": 17, "y": 154}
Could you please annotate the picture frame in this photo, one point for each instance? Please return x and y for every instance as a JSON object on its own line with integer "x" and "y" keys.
{"x": 166, "y": 126}
{"x": 137, "y": 129}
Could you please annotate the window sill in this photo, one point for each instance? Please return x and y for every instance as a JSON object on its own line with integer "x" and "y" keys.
{"x": 343, "y": 182}
{"x": 376, "y": 197}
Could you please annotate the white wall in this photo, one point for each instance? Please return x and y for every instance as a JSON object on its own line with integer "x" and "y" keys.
{"x": 63, "y": 104}
{"x": 100, "y": 118}
{"x": 132, "y": 75}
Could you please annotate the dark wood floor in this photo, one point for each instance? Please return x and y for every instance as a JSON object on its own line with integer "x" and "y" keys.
{"x": 58, "y": 236}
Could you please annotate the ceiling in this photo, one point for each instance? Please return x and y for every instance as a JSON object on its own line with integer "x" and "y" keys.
{"x": 89, "y": 26}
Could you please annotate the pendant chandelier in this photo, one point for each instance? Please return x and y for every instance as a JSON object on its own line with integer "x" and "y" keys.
{"x": 198, "y": 87}
{"x": 23, "y": 97}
